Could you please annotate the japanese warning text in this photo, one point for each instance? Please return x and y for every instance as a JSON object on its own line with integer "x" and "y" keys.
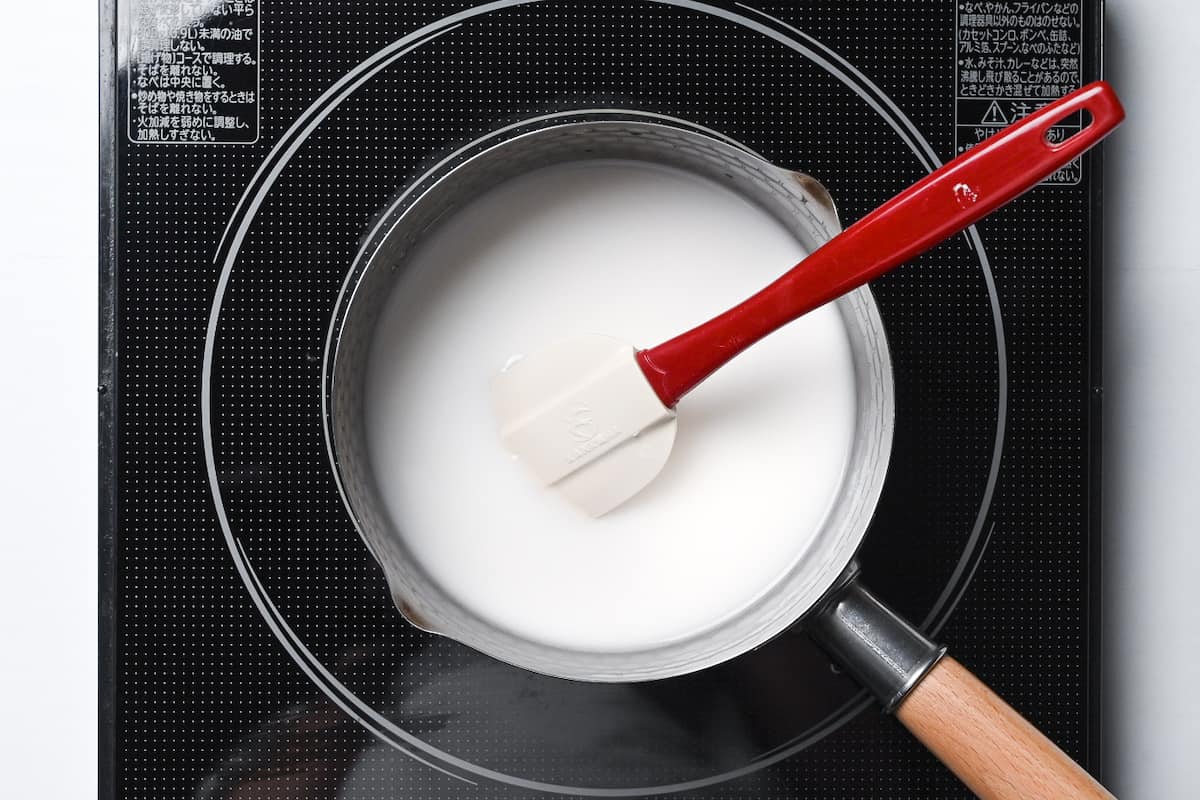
{"x": 193, "y": 71}
{"x": 1013, "y": 57}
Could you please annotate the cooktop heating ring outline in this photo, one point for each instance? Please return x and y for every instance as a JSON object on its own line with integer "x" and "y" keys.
{"x": 227, "y": 255}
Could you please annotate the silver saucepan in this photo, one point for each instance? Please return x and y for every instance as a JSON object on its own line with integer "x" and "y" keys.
{"x": 995, "y": 751}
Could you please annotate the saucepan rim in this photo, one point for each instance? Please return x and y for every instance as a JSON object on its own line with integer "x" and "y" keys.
{"x": 797, "y": 200}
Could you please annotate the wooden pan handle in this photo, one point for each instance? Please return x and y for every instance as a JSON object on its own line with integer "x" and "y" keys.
{"x": 987, "y": 744}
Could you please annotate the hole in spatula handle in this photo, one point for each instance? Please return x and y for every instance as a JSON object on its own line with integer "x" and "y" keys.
{"x": 1059, "y": 132}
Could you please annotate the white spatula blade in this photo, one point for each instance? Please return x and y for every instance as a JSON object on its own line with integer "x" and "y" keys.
{"x": 581, "y": 415}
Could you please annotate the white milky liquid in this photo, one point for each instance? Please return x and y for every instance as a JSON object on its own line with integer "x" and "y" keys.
{"x": 641, "y": 253}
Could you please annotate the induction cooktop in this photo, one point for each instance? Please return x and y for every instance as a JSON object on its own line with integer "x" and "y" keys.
{"x": 249, "y": 645}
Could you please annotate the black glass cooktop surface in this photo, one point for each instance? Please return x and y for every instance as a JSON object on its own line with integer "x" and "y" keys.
{"x": 250, "y": 648}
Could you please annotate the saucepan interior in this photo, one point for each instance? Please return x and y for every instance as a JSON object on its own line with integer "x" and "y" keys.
{"x": 797, "y": 201}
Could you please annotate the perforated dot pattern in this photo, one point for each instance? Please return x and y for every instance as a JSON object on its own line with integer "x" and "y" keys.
{"x": 210, "y": 703}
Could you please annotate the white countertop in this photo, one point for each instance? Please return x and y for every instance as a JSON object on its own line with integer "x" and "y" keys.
{"x": 1152, "y": 417}
{"x": 1152, "y": 428}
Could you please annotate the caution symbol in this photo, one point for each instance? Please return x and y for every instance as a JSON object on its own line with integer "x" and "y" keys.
{"x": 994, "y": 115}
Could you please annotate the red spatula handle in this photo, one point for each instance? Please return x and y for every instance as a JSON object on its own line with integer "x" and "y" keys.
{"x": 938, "y": 206}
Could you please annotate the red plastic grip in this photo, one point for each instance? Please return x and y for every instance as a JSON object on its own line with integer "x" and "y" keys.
{"x": 935, "y": 208}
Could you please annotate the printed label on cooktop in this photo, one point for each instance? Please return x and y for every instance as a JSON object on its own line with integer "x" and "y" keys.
{"x": 193, "y": 71}
{"x": 1013, "y": 57}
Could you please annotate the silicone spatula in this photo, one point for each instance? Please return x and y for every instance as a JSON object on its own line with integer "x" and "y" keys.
{"x": 594, "y": 417}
